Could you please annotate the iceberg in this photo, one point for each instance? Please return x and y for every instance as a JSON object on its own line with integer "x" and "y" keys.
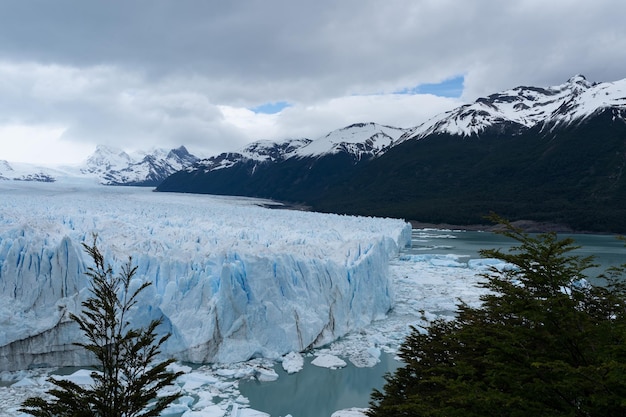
{"x": 232, "y": 279}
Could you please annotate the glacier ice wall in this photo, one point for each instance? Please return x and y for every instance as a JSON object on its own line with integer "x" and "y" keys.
{"x": 231, "y": 279}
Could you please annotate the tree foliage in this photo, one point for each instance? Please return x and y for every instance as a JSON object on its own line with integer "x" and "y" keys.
{"x": 544, "y": 342}
{"x": 128, "y": 376}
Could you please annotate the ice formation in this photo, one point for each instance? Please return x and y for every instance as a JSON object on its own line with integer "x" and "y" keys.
{"x": 422, "y": 289}
{"x": 232, "y": 280}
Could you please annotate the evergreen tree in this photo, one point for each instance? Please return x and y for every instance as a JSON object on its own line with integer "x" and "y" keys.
{"x": 544, "y": 342}
{"x": 128, "y": 377}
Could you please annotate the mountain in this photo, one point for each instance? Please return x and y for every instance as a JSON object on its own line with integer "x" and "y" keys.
{"x": 25, "y": 172}
{"x": 555, "y": 154}
{"x": 293, "y": 170}
{"x": 514, "y": 111}
{"x": 116, "y": 167}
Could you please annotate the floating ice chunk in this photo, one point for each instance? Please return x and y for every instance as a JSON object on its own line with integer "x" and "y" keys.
{"x": 196, "y": 380}
{"x": 447, "y": 262}
{"x": 177, "y": 367}
{"x": 26, "y": 382}
{"x": 249, "y": 412}
{"x": 265, "y": 374}
{"x": 367, "y": 358}
{"x": 210, "y": 411}
{"x": 293, "y": 362}
{"x": 242, "y": 400}
{"x": 169, "y": 390}
{"x": 80, "y": 377}
{"x": 486, "y": 263}
{"x": 186, "y": 400}
{"x": 329, "y": 361}
{"x": 374, "y": 352}
{"x": 350, "y": 412}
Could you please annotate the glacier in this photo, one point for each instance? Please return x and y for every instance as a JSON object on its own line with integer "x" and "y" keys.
{"x": 233, "y": 278}
{"x": 428, "y": 280}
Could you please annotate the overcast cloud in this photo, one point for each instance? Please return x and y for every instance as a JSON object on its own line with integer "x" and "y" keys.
{"x": 156, "y": 73}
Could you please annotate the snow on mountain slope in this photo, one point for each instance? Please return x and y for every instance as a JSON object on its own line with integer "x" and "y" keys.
{"x": 109, "y": 166}
{"x": 28, "y": 172}
{"x": 116, "y": 167}
{"x": 106, "y": 159}
{"x": 233, "y": 280}
{"x": 358, "y": 139}
{"x": 259, "y": 151}
{"x": 525, "y": 107}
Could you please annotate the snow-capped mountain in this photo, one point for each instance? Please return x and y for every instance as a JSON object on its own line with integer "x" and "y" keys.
{"x": 539, "y": 153}
{"x": 105, "y": 159}
{"x": 26, "y": 172}
{"x": 294, "y": 168}
{"x": 362, "y": 140}
{"x": 116, "y": 167}
{"x": 525, "y": 107}
{"x": 262, "y": 151}
{"x": 109, "y": 166}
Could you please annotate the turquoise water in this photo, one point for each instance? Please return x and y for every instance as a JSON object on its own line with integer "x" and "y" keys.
{"x": 318, "y": 392}
{"x": 607, "y": 250}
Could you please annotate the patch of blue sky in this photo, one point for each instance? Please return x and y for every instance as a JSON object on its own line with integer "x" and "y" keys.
{"x": 451, "y": 88}
{"x": 271, "y": 108}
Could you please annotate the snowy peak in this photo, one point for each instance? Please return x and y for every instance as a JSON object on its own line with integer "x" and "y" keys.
{"x": 25, "y": 172}
{"x": 273, "y": 151}
{"x": 182, "y": 156}
{"x": 256, "y": 152}
{"x": 359, "y": 139}
{"x": 107, "y": 158}
{"x": 525, "y": 107}
{"x": 115, "y": 167}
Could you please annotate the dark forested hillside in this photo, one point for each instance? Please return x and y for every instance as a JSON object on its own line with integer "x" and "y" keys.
{"x": 553, "y": 155}
{"x": 572, "y": 175}
{"x": 298, "y": 180}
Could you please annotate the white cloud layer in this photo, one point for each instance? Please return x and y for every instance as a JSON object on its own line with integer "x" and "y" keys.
{"x": 160, "y": 73}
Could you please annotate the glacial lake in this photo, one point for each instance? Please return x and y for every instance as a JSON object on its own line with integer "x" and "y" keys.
{"x": 318, "y": 392}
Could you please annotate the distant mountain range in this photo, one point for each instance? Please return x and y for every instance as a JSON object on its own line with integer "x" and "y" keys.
{"x": 24, "y": 172}
{"x": 555, "y": 154}
{"x": 109, "y": 166}
{"x": 116, "y": 167}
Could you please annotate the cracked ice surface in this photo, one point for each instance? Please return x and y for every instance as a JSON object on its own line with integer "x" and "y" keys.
{"x": 424, "y": 286}
{"x": 233, "y": 280}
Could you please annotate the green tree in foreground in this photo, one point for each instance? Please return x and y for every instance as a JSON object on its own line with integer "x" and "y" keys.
{"x": 128, "y": 378}
{"x": 543, "y": 343}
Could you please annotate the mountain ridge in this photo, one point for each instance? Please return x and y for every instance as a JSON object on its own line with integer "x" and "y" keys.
{"x": 108, "y": 166}
{"x": 513, "y": 152}
{"x": 116, "y": 167}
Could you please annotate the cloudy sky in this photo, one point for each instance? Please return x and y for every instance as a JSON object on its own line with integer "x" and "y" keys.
{"x": 215, "y": 75}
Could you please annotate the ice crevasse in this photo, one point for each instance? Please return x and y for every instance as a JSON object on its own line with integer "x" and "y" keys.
{"x": 232, "y": 280}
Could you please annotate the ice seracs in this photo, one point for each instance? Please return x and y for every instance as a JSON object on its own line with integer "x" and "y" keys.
{"x": 232, "y": 280}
